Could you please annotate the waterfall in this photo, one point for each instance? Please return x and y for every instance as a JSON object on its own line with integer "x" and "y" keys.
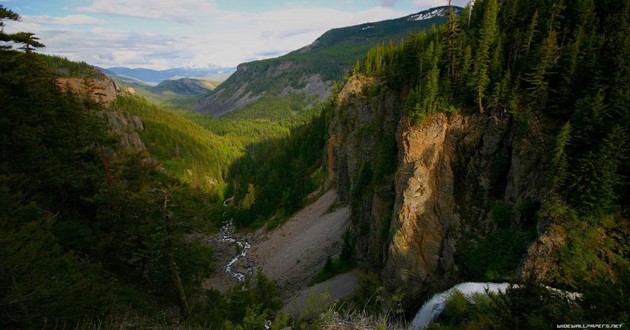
{"x": 434, "y": 306}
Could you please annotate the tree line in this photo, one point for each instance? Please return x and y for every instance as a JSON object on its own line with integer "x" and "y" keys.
{"x": 558, "y": 70}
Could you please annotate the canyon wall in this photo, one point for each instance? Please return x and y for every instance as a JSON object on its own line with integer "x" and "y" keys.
{"x": 450, "y": 170}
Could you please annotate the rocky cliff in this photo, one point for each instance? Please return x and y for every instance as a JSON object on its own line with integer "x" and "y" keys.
{"x": 104, "y": 91}
{"x": 126, "y": 127}
{"x": 362, "y": 130}
{"x": 451, "y": 169}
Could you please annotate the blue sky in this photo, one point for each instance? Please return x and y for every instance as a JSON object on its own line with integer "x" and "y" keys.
{"x": 161, "y": 34}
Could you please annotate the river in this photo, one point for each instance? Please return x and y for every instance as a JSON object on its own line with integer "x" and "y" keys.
{"x": 226, "y": 235}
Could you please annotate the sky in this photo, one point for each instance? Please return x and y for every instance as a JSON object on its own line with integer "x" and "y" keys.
{"x": 163, "y": 34}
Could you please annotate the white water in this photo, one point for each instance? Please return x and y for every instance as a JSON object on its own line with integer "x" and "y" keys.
{"x": 226, "y": 235}
{"x": 434, "y": 306}
{"x": 227, "y": 201}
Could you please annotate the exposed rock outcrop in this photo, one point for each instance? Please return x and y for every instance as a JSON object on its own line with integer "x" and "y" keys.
{"x": 126, "y": 127}
{"x": 451, "y": 168}
{"x": 102, "y": 91}
{"x": 358, "y": 129}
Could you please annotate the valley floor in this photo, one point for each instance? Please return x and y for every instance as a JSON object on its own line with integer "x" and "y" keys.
{"x": 294, "y": 253}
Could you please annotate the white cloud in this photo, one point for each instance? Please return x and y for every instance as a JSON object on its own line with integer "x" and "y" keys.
{"x": 13, "y": 26}
{"x": 155, "y": 9}
{"x": 121, "y": 48}
{"x": 193, "y": 33}
{"x": 65, "y": 20}
{"x": 247, "y": 37}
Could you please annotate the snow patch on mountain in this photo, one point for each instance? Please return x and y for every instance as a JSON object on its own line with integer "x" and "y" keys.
{"x": 433, "y": 12}
{"x": 428, "y": 14}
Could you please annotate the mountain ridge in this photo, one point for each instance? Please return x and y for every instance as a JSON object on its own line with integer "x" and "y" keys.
{"x": 184, "y": 86}
{"x": 311, "y": 70}
{"x": 154, "y": 77}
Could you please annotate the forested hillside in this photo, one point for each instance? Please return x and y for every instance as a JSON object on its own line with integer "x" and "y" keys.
{"x": 186, "y": 150}
{"x": 511, "y": 124}
{"x": 310, "y": 71}
{"x": 84, "y": 235}
{"x": 184, "y": 86}
{"x": 545, "y": 64}
{"x": 491, "y": 147}
{"x": 94, "y": 235}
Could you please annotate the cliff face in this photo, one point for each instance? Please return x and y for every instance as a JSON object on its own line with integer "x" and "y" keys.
{"x": 361, "y": 128}
{"x": 451, "y": 169}
{"x": 104, "y": 91}
{"x": 126, "y": 127}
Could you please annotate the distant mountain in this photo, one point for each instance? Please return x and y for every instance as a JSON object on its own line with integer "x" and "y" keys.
{"x": 184, "y": 86}
{"x": 173, "y": 94}
{"x": 156, "y": 76}
{"x": 311, "y": 70}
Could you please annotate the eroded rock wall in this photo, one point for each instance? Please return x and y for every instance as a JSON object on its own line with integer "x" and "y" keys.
{"x": 451, "y": 169}
{"x": 103, "y": 92}
{"x": 359, "y": 126}
{"x": 127, "y": 127}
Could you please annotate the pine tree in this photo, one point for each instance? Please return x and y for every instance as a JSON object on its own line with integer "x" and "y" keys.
{"x": 559, "y": 162}
{"x": 29, "y": 40}
{"x": 431, "y": 85}
{"x": 4, "y": 15}
{"x": 250, "y": 197}
{"x": 487, "y": 36}
{"x": 530, "y": 34}
{"x": 452, "y": 31}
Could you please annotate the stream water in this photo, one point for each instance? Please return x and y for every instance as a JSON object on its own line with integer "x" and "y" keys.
{"x": 226, "y": 235}
{"x": 434, "y": 306}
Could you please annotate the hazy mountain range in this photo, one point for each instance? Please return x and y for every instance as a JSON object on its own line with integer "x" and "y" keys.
{"x": 154, "y": 77}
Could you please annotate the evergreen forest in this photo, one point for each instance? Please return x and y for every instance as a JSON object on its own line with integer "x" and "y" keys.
{"x": 95, "y": 235}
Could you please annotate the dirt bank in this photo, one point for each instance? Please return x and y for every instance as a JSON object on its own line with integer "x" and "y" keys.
{"x": 292, "y": 254}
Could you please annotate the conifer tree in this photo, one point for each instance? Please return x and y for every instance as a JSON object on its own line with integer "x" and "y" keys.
{"x": 486, "y": 40}
{"x": 452, "y": 30}
{"x": 4, "y": 15}
{"x": 29, "y": 40}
